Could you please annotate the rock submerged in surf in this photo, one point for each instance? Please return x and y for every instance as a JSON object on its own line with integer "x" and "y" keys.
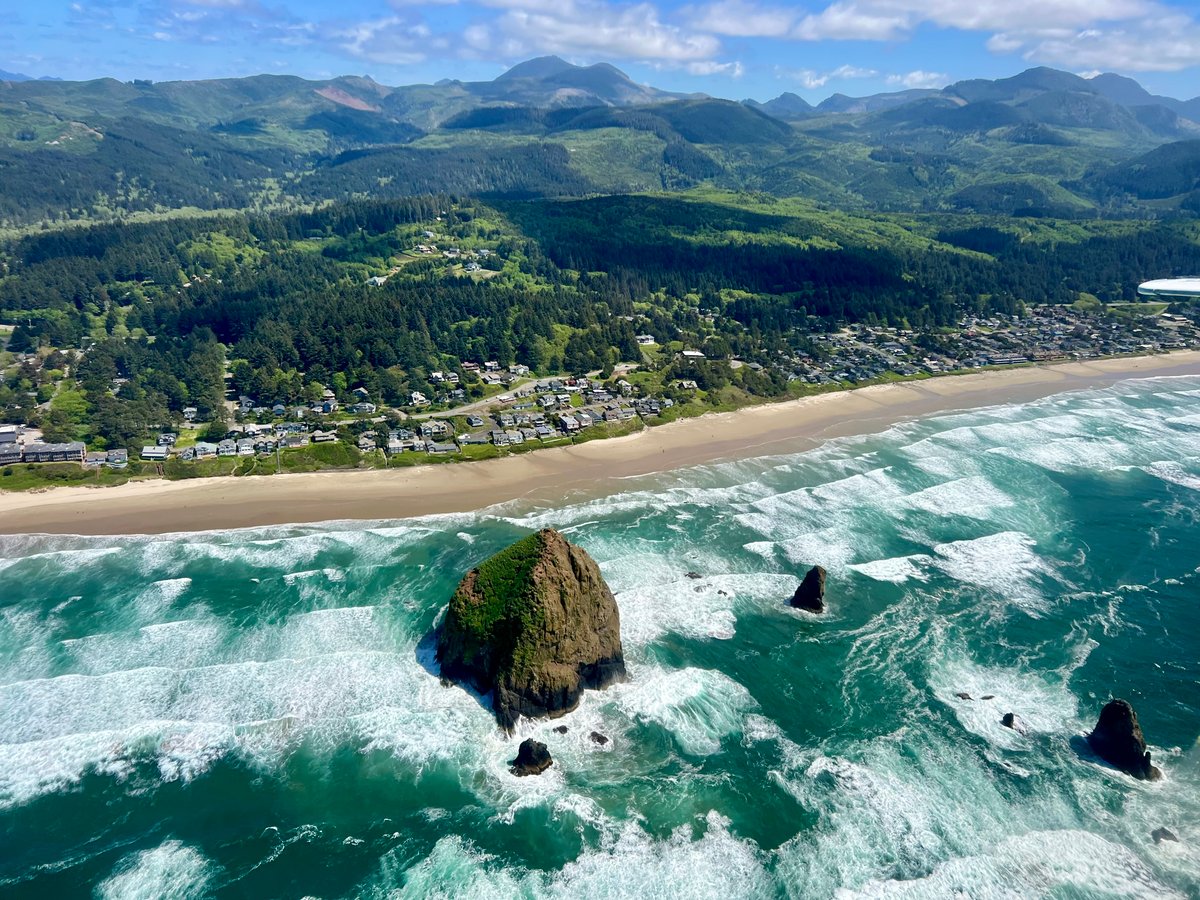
{"x": 535, "y": 625}
{"x": 1117, "y": 739}
{"x": 532, "y": 758}
{"x": 1010, "y": 720}
{"x": 811, "y": 593}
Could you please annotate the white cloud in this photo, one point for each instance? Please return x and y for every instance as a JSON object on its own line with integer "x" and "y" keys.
{"x": 392, "y": 40}
{"x": 1165, "y": 42}
{"x": 920, "y": 79}
{"x": 850, "y": 21}
{"x": 711, "y": 67}
{"x": 597, "y": 29}
{"x": 998, "y": 15}
{"x": 1133, "y": 35}
{"x": 742, "y": 18}
{"x": 890, "y": 19}
{"x": 811, "y": 79}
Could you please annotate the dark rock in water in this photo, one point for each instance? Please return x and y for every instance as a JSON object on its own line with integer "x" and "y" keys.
{"x": 988, "y": 697}
{"x": 598, "y": 738}
{"x": 693, "y": 575}
{"x": 536, "y": 626}
{"x": 1163, "y": 834}
{"x": 811, "y": 593}
{"x": 561, "y": 729}
{"x": 722, "y": 593}
{"x": 1010, "y": 720}
{"x": 1117, "y": 739}
{"x": 963, "y": 695}
{"x": 532, "y": 758}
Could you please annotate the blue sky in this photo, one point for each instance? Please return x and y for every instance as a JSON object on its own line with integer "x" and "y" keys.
{"x": 728, "y": 48}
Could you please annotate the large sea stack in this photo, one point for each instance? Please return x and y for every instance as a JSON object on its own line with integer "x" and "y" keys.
{"x": 535, "y": 625}
{"x": 811, "y": 593}
{"x": 1118, "y": 739}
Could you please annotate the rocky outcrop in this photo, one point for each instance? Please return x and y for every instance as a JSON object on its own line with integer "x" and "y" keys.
{"x": 597, "y": 738}
{"x": 535, "y": 626}
{"x": 1163, "y": 834}
{"x": 1117, "y": 739}
{"x": 532, "y": 758}
{"x": 811, "y": 593}
{"x": 1010, "y": 720}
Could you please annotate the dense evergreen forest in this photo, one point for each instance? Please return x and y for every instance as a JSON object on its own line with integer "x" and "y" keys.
{"x": 286, "y": 302}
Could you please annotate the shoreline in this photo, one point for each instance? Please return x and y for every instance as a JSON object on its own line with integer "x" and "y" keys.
{"x": 596, "y": 468}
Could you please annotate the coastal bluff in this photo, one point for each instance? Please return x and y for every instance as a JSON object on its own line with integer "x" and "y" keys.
{"x": 535, "y": 626}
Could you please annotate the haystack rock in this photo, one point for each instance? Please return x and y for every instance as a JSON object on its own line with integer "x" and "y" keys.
{"x": 811, "y": 593}
{"x": 532, "y": 758}
{"x": 535, "y": 625}
{"x": 1117, "y": 739}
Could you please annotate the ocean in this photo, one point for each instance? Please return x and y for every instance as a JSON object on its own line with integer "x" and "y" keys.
{"x": 257, "y": 713}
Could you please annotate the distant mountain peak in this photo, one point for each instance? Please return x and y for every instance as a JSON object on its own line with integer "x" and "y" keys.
{"x": 18, "y": 76}
{"x": 539, "y": 68}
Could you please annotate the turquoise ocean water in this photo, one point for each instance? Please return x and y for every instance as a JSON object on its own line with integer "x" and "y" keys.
{"x": 253, "y": 714}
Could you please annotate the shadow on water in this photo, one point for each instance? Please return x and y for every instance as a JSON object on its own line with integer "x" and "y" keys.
{"x": 426, "y": 655}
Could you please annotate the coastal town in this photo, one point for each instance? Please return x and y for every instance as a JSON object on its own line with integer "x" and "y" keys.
{"x": 521, "y": 411}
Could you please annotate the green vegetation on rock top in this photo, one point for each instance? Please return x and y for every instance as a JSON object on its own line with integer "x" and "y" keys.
{"x": 501, "y": 603}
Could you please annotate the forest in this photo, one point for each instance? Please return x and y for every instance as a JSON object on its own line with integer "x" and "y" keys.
{"x": 161, "y": 310}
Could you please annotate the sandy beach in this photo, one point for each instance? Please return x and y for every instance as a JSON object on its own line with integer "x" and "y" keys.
{"x": 547, "y": 476}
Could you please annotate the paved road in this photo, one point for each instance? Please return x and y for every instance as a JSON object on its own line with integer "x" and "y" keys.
{"x": 477, "y": 405}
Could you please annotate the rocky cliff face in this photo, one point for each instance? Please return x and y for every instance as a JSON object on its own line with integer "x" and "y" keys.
{"x": 536, "y": 626}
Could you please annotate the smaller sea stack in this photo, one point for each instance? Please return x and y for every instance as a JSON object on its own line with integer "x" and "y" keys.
{"x": 1010, "y": 720}
{"x": 1117, "y": 739}
{"x": 532, "y": 758}
{"x": 811, "y": 593}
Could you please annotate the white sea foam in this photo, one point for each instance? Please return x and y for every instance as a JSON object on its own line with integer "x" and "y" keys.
{"x": 1043, "y": 704}
{"x": 629, "y": 864}
{"x": 1004, "y": 563}
{"x": 171, "y": 871}
{"x": 699, "y": 707}
{"x": 975, "y": 497}
{"x": 182, "y": 644}
{"x": 1190, "y": 421}
{"x": 64, "y": 559}
{"x": 696, "y": 608}
{"x": 896, "y": 803}
{"x": 160, "y": 595}
{"x": 333, "y": 575}
{"x": 1039, "y": 864}
{"x": 185, "y": 718}
{"x": 896, "y": 570}
{"x": 1066, "y": 455}
{"x": 1175, "y": 474}
{"x": 834, "y": 548}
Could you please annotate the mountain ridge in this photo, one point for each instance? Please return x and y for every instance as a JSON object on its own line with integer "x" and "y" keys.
{"x": 1038, "y": 142}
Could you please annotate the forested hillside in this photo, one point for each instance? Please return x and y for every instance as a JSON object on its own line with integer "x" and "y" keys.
{"x": 1040, "y": 144}
{"x": 350, "y": 295}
